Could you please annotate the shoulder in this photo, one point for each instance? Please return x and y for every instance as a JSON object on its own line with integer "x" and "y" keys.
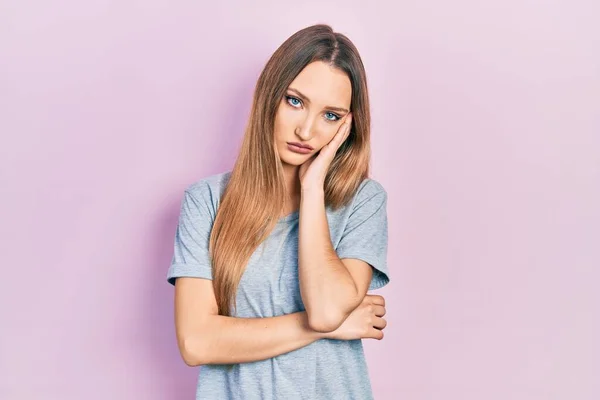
{"x": 369, "y": 197}
{"x": 212, "y": 185}
{"x": 207, "y": 191}
{"x": 368, "y": 189}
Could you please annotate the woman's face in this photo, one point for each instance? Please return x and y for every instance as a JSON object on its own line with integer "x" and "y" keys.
{"x": 311, "y": 110}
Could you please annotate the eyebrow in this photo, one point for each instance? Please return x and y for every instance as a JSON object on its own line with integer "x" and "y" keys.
{"x": 308, "y": 101}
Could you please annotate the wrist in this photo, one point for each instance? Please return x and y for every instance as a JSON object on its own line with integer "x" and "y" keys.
{"x": 312, "y": 190}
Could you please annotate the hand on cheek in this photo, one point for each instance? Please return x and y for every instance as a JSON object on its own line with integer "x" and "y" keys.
{"x": 313, "y": 171}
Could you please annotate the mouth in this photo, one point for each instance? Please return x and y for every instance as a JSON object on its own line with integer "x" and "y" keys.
{"x": 299, "y": 148}
{"x": 304, "y": 146}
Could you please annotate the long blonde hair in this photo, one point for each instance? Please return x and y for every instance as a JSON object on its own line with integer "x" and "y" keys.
{"x": 255, "y": 195}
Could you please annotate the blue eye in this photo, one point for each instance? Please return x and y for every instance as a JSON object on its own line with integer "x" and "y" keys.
{"x": 336, "y": 117}
{"x": 295, "y": 102}
{"x": 290, "y": 99}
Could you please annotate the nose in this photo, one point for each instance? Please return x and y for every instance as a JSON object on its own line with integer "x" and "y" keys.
{"x": 304, "y": 129}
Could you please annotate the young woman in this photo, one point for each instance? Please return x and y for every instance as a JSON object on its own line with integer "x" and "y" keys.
{"x": 273, "y": 260}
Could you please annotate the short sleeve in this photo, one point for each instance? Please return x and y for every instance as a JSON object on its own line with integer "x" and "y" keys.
{"x": 190, "y": 254}
{"x": 365, "y": 235}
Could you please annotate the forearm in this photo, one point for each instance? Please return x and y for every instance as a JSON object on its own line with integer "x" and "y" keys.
{"x": 230, "y": 340}
{"x": 328, "y": 290}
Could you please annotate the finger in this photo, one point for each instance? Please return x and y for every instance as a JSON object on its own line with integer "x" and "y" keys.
{"x": 342, "y": 134}
{"x": 348, "y": 118}
{"x": 378, "y": 310}
{"x": 379, "y": 300}
{"x": 379, "y": 323}
{"x": 338, "y": 139}
{"x": 349, "y": 122}
{"x": 376, "y": 333}
{"x": 348, "y": 130}
{"x": 344, "y": 128}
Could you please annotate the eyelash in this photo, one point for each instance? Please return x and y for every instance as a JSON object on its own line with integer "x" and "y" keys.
{"x": 288, "y": 98}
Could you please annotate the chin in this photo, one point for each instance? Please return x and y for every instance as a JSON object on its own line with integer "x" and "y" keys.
{"x": 291, "y": 158}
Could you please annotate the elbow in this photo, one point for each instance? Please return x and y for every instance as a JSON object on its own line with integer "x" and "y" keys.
{"x": 191, "y": 352}
{"x": 328, "y": 319}
{"x": 325, "y": 320}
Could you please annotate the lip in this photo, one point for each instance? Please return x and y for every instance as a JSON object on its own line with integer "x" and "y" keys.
{"x": 300, "y": 145}
{"x": 298, "y": 148}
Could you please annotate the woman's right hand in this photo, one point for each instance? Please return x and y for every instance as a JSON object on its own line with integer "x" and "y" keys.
{"x": 364, "y": 322}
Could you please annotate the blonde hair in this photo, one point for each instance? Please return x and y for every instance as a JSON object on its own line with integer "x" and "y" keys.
{"x": 255, "y": 195}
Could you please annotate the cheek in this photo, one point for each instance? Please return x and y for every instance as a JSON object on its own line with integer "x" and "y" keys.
{"x": 328, "y": 132}
{"x": 278, "y": 123}
{"x": 284, "y": 120}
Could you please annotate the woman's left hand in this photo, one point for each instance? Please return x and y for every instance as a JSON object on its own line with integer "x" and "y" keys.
{"x": 313, "y": 172}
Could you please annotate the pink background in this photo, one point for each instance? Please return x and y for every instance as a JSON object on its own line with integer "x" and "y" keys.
{"x": 486, "y": 134}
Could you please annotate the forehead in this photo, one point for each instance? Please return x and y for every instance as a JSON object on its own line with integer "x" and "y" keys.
{"x": 324, "y": 85}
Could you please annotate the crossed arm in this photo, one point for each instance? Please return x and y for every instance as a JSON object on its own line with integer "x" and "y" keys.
{"x": 331, "y": 288}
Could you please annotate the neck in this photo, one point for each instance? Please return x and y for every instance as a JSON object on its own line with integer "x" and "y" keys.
{"x": 292, "y": 184}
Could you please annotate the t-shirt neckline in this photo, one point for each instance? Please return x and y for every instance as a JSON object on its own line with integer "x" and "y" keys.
{"x": 290, "y": 217}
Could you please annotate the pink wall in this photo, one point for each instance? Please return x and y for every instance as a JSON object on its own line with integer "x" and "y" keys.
{"x": 486, "y": 134}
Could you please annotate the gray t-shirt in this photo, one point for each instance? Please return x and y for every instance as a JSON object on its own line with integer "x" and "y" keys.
{"x": 325, "y": 369}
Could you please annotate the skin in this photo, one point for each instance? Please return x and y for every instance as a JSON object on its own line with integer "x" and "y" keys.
{"x": 331, "y": 288}
{"x": 311, "y": 122}
{"x": 204, "y": 337}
